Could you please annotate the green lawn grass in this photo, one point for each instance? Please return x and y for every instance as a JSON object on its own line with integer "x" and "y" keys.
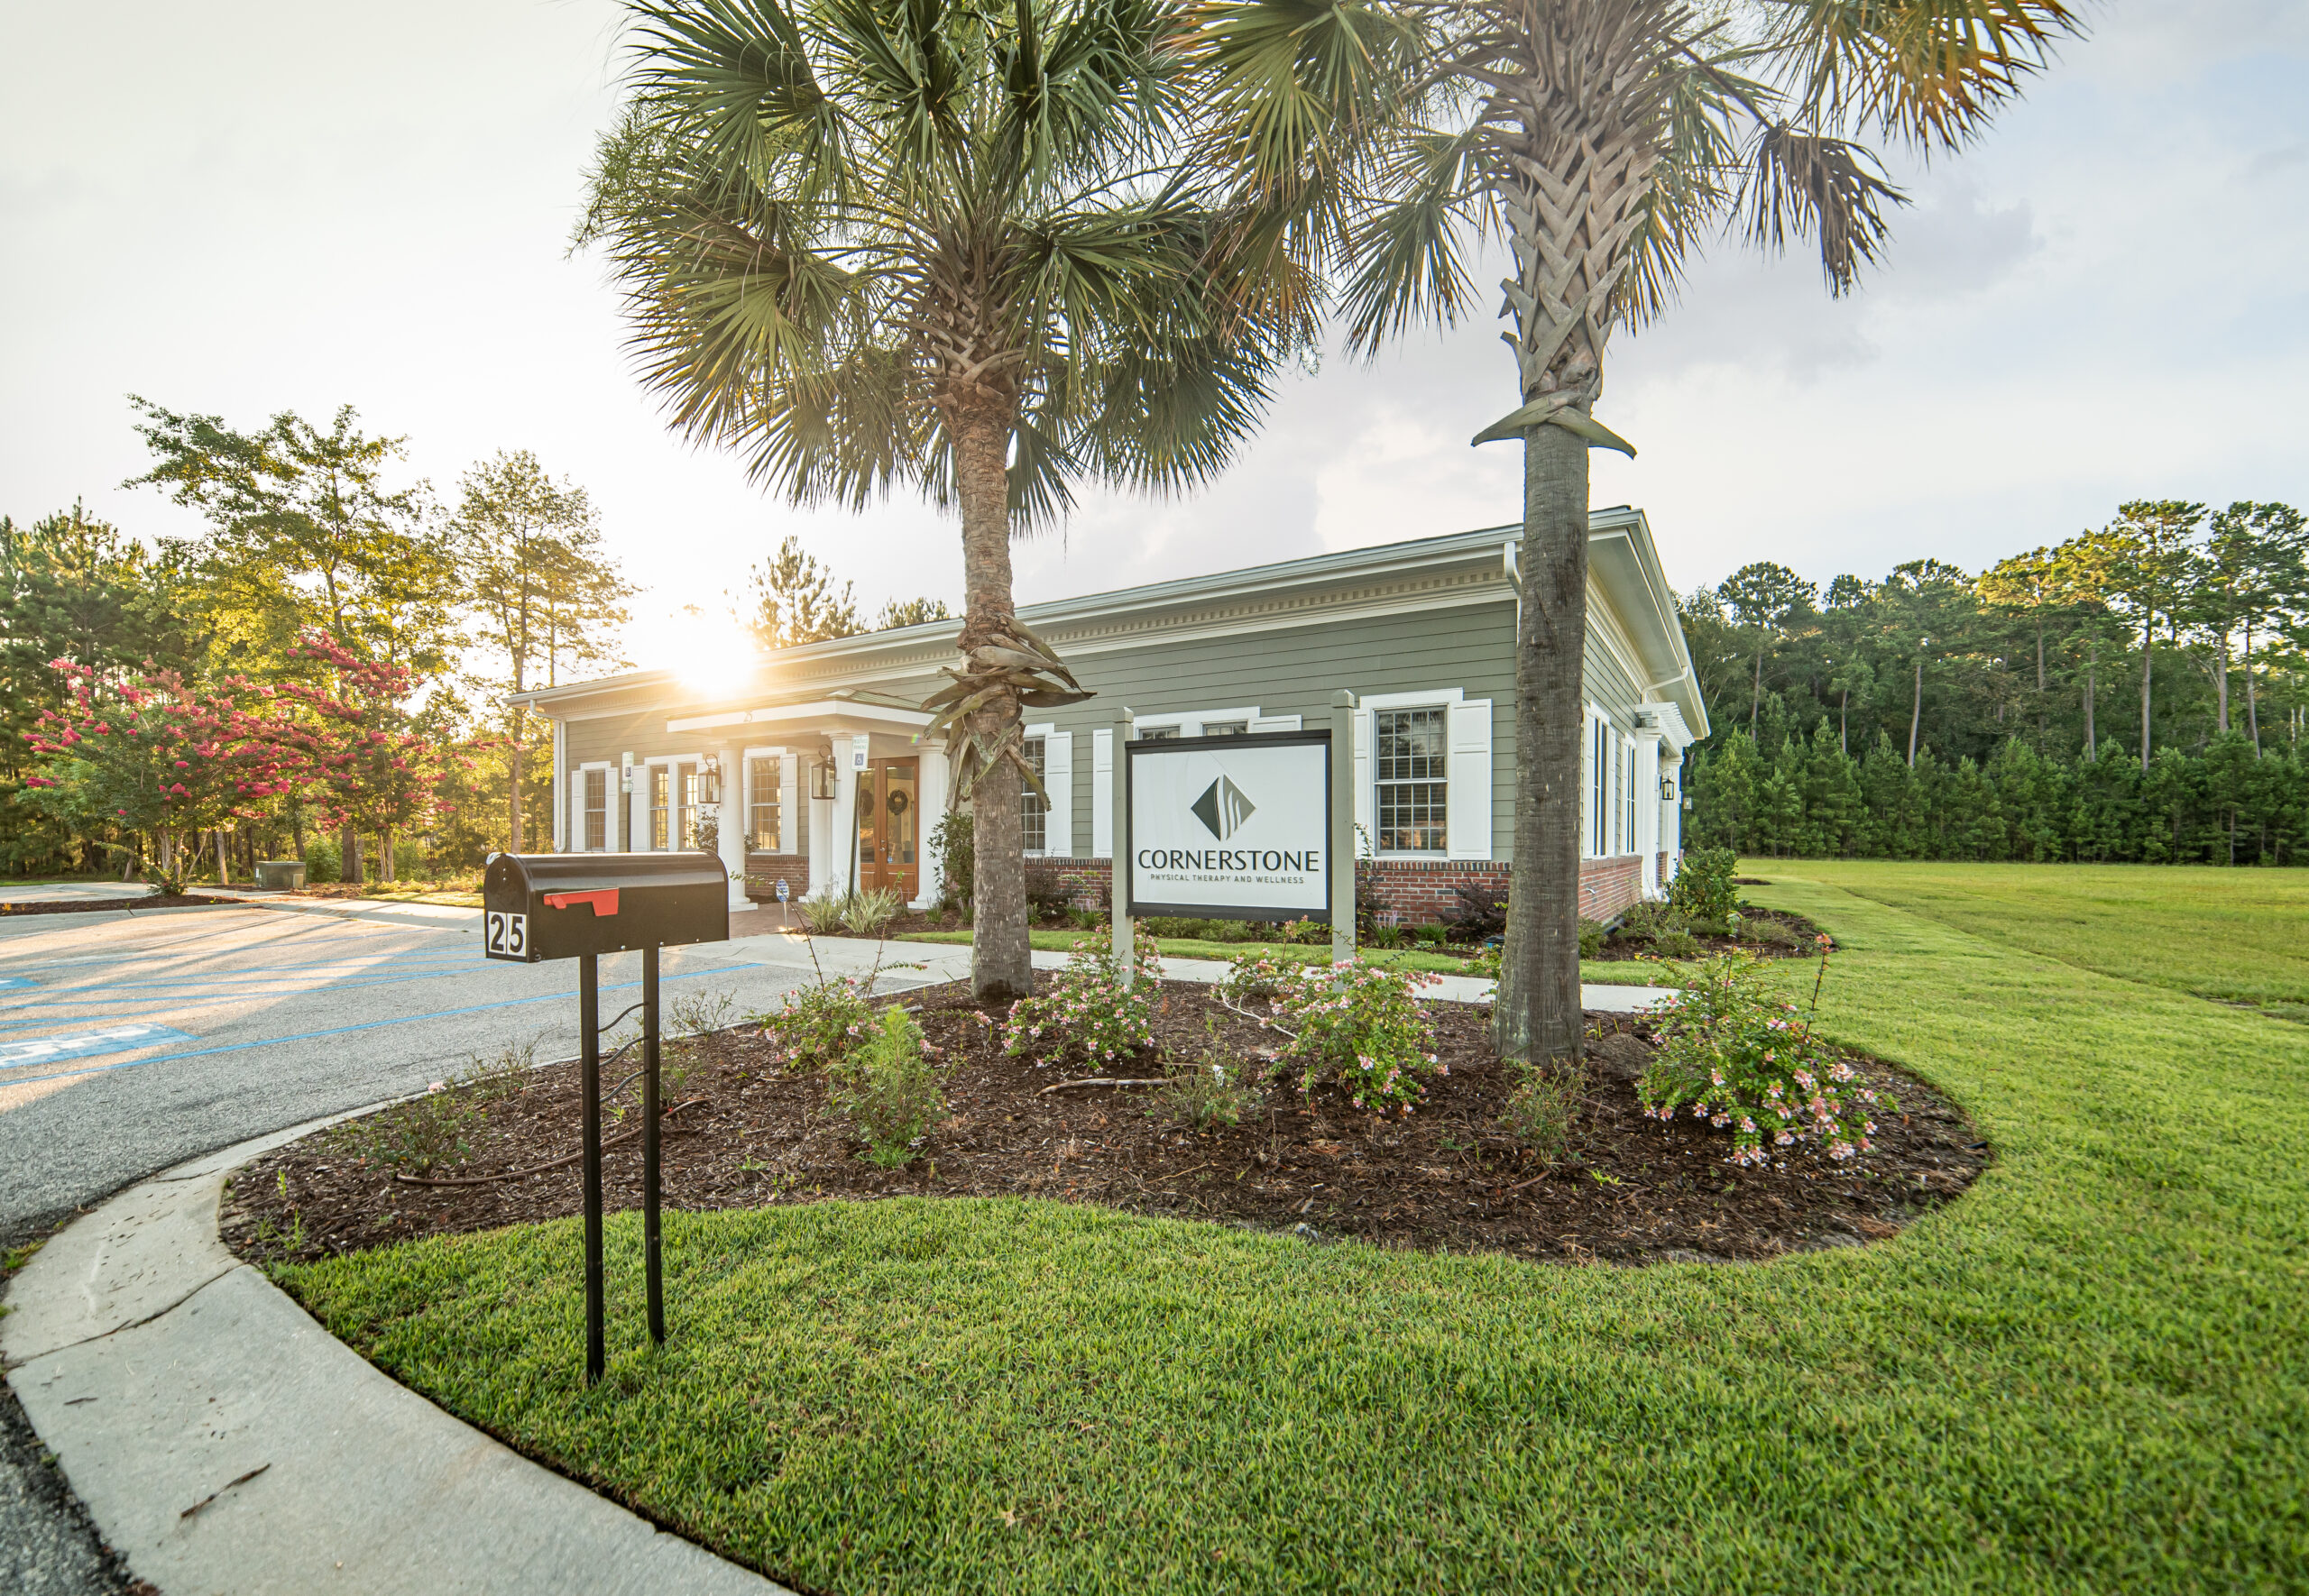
{"x": 1626, "y": 972}
{"x": 2235, "y": 936}
{"x": 2087, "y": 1375}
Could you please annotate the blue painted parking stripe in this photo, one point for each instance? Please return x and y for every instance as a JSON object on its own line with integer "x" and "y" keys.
{"x": 266, "y": 1042}
{"x": 83, "y": 1044}
{"x": 10, "y": 983}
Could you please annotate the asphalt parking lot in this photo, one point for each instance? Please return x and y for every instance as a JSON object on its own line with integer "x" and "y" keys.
{"x": 131, "y": 1040}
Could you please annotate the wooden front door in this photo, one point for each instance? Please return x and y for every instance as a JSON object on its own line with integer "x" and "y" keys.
{"x": 889, "y": 827}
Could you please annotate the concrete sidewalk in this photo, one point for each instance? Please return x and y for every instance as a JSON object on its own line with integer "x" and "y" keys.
{"x": 225, "y": 1443}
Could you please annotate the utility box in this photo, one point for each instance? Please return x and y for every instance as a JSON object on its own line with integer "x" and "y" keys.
{"x": 537, "y": 906}
{"x": 281, "y": 874}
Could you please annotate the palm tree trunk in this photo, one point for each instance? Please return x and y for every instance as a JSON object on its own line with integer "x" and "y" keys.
{"x": 1000, "y": 968}
{"x": 1536, "y": 1015}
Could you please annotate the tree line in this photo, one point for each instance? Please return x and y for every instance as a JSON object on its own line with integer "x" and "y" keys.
{"x": 2139, "y": 693}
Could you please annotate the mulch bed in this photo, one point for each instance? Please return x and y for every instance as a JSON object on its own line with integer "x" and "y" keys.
{"x": 1795, "y": 941}
{"x": 1630, "y": 1190}
{"x": 92, "y": 905}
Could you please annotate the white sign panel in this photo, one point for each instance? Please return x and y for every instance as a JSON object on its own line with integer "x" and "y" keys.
{"x": 1230, "y": 828}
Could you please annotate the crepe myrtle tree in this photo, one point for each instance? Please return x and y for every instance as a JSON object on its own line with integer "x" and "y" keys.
{"x": 142, "y": 752}
{"x": 948, "y": 245}
{"x": 1603, "y": 142}
{"x": 348, "y": 733}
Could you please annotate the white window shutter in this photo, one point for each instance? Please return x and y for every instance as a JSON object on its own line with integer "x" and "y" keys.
{"x": 1275, "y": 723}
{"x": 1467, "y": 819}
{"x": 1368, "y": 838}
{"x": 1058, "y": 778}
{"x": 1102, "y": 795}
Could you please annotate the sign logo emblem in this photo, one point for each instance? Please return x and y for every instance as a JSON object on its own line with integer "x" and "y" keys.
{"x": 1222, "y": 809}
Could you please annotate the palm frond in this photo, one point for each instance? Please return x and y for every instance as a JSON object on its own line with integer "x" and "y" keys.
{"x": 1808, "y": 184}
{"x": 1929, "y": 71}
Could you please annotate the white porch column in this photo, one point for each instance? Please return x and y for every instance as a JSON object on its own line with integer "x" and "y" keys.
{"x": 1646, "y": 839}
{"x": 618, "y": 821}
{"x": 930, "y": 806}
{"x": 731, "y": 822}
{"x": 561, "y": 787}
{"x": 1671, "y": 812}
{"x": 842, "y": 852}
{"x": 637, "y": 807}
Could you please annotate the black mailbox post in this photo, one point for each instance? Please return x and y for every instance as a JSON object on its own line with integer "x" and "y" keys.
{"x": 582, "y": 905}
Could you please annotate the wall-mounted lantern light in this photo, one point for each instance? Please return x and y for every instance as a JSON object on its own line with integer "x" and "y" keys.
{"x": 1667, "y": 789}
{"x": 709, "y": 779}
{"x": 823, "y": 775}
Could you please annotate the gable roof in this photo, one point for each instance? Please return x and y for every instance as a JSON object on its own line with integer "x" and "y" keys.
{"x": 1623, "y": 565}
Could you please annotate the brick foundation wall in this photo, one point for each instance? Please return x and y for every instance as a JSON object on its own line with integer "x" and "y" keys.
{"x": 763, "y": 870}
{"x": 1419, "y": 891}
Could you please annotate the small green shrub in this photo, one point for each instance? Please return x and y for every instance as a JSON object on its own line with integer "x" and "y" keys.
{"x": 821, "y": 914}
{"x": 1385, "y": 936}
{"x": 323, "y": 860}
{"x": 1088, "y": 1013}
{"x": 1542, "y": 1107}
{"x": 1254, "y": 978}
{"x": 1211, "y": 1092}
{"x": 1642, "y": 922}
{"x": 1746, "y": 1059}
{"x": 1770, "y": 933}
{"x": 818, "y": 1023}
{"x": 1703, "y": 893}
{"x": 1675, "y": 944}
{"x": 416, "y": 1137}
{"x": 1359, "y": 1023}
{"x": 1431, "y": 934}
{"x": 953, "y": 842}
{"x": 1306, "y": 933}
{"x": 887, "y": 1089}
{"x": 869, "y": 913}
{"x": 1592, "y": 934}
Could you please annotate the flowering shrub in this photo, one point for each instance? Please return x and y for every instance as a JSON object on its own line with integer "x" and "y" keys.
{"x": 1358, "y": 1021}
{"x": 1254, "y": 978}
{"x": 889, "y": 1091}
{"x": 817, "y": 1025}
{"x": 1088, "y": 1011}
{"x": 1746, "y": 1060}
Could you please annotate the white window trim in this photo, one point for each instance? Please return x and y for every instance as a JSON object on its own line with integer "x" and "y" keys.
{"x": 785, "y": 816}
{"x": 1044, "y": 729}
{"x": 673, "y": 797}
{"x": 1442, "y": 700}
{"x": 1191, "y": 722}
{"x": 608, "y": 807}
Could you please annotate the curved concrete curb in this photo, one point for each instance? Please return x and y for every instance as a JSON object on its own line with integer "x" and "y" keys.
{"x": 224, "y": 1442}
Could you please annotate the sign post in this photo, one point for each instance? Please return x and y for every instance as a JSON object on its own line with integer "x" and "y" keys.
{"x": 1119, "y": 870}
{"x": 1342, "y": 827}
{"x": 542, "y": 906}
{"x": 1228, "y": 828}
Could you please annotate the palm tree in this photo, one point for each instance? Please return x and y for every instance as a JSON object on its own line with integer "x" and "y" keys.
{"x": 1604, "y": 141}
{"x": 945, "y": 245}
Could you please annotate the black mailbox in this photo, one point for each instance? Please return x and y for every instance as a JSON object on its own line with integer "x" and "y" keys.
{"x": 565, "y": 906}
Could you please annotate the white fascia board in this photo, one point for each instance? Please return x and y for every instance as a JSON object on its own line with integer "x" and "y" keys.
{"x": 825, "y": 714}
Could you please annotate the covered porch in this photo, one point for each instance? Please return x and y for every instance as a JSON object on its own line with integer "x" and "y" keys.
{"x": 825, "y": 796}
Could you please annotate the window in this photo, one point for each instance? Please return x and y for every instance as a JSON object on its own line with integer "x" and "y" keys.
{"x": 1409, "y": 773}
{"x": 1599, "y": 811}
{"x": 1158, "y": 734}
{"x": 763, "y": 776}
{"x": 688, "y": 833}
{"x": 1226, "y": 728}
{"x": 1034, "y": 820}
{"x": 661, "y": 779}
{"x": 597, "y": 809}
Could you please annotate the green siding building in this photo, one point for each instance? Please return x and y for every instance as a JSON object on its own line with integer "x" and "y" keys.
{"x": 805, "y": 760}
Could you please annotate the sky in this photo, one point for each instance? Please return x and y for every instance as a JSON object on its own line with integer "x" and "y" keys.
{"x": 238, "y": 208}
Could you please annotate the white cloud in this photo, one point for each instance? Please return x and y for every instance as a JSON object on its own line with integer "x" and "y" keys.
{"x": 268, "y": 206}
